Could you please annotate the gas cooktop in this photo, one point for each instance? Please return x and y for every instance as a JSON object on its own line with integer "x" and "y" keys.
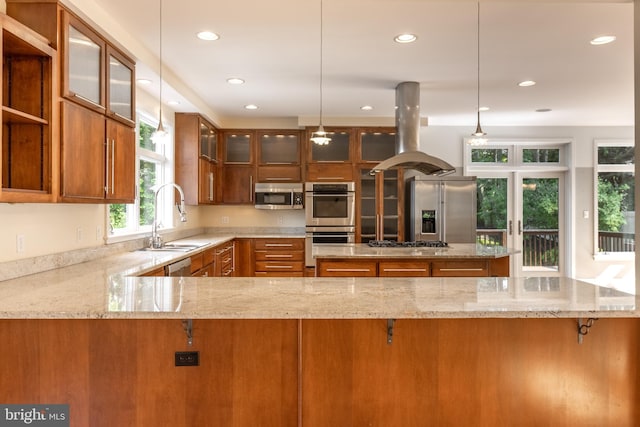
{"x": 418, "y": 244}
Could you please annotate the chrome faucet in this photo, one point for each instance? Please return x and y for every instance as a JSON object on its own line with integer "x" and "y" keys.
{"x": 155, "y": 241}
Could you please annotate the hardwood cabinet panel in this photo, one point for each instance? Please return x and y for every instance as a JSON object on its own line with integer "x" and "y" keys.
{"x": 288, "y": 244}
{"x": 279, "y": 257}
{"x": 406, "y": 268}
{"x": 329, "y": 172}
{"x": 82, "y": 153}
{"x": 346, "y": 268}
{"x": 279, "y": 174}
{"x": 460, "y": 268}
{"x": 237, "y": 184}
{"x": 121, "y": 163}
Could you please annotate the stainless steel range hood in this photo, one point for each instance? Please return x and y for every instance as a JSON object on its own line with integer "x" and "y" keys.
{"x": 408, "y": 136}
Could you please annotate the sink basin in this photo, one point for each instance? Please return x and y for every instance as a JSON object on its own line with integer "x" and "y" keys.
{"x": 175, "y": 247}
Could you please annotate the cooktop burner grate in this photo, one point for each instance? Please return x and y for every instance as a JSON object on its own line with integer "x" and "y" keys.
{"x": 418, "y": 244}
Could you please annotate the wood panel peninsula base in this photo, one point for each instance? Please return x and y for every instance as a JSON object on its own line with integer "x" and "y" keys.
{"x": 327, "y": 372}
{"x": 459, "y": 260}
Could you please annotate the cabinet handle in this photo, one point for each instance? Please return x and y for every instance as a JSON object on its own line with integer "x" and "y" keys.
{"x": 113, "y": 165}
{"x": 211, "y": 186}
{"x": 405, "y": 269}
{"x": 460, "y": 269}
{"x": 330, "y": 161}
{"x": 106, "y": 168}
{"x": 279, "y": 179}
{"x": 85, "y": 99}
{"x": 279, "y": 245}
{"x": 251, "y": 188}
{"x": 279, "y": 266}
{"x": 278, "y": 256}
{"x": 348, "y": 269}
{"x": 332, "y": 178}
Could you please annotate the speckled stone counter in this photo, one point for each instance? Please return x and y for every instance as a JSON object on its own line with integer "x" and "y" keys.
{"x": 455, "y": 250}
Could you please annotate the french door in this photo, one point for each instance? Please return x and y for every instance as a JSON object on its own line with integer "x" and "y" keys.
{"x": 524, "y": 211}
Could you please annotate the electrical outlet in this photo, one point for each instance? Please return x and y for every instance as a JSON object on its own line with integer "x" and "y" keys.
{"x": 79, "y": 234}
{"x": 225, "y": 220}
{"x": 98, "y": 233}
{"x": 20, "y": 243}
{"x": 187, "y": 358}
{"x": 281, "y": 220}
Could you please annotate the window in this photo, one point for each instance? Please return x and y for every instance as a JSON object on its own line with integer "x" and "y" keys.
{"x": 615, "y": 186}
{"x": 153, "y": 168}
{"x": 517, "y": 155}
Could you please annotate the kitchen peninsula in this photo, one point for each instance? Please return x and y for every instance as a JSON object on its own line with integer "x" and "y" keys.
{"x": 315, "y": 351}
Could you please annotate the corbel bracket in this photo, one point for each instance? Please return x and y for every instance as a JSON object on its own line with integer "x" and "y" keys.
{"x": 584, "y": 327}
{"x": 187, "y": 325}
{"x": 390, "y": 324}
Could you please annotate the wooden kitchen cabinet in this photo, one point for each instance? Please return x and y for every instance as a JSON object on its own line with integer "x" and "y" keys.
{"x": 279, "y": 156}
{"x": 375, "y": 144}
{"x": 224, "y": 260}
{"x": 379, "y": 199}
{"x": 97, "y": 157}
{"x": 329, "y": 267}
{"x": 29, "y": 116}
{"x": 460, "y": 268}
{"x": 238, "y": 169}
{"x": 279, "y": 257}
{"x": 334, "y": 161}
{"x": 196, "y": 158}
{"x": 404, "y": 268}
{"x": 96, "y": 160}
{"x": 203, "y": 263}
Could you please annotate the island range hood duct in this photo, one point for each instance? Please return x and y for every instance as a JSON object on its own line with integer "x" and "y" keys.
{"x": 408, "y": 135}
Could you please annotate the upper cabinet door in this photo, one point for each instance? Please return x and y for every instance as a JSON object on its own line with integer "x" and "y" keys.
{"x": 120, "y": 93}
{"x": 83, "y": 75}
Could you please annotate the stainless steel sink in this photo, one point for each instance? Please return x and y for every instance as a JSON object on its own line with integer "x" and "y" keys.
{"x": 175, "y": 247}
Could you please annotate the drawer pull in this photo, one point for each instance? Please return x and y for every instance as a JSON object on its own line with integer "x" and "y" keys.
{"x": 405, "y": 269}
{"x": 279, "y": 245}
{"x": 279, "y": 266}
{"x": 279, "y": 256}
{"x": 349, "y": 269}
{"x": 460, "y": 269}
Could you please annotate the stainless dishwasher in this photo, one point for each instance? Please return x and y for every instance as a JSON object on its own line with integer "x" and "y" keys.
{"x": 180, "y": 268}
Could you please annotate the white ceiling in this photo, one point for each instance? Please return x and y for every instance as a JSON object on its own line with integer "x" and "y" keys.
{"x": 274, "y": 46}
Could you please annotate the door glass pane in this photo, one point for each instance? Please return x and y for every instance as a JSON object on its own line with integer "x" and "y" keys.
{"x": 84, "y": 66}
{"x": 540, "y": 223}
{"x": 120, "y": 78}
{"x": 238, "y": 148}
{"x": 492, "y": 208}
{"x": 337, "y": 150}
{"x": 377, "y": 146}
{"x": 279, "y": 149}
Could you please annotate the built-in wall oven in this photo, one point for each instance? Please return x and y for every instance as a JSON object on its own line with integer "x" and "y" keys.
{"x": 329, "y": 214}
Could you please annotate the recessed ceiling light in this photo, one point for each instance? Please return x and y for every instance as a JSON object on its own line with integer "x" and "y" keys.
{"x": 526, "y": 83}
{"x": 483, "y": 109}
{"x": 207, "y": 35}
{"x": 251, "y": 107}
{"x": 405, "y": 38}
{"x": 602, "y": 40}
{"x": 143, "y": 81}
{"x": 235, "y": 81}
{"x": 366, "y": 108}
{"x": 543, "y": 110}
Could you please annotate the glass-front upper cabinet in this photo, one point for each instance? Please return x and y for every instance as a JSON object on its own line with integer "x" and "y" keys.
{"x": 238, "y": 147}
{"x": 279, "y": 148}
{"x": 376, "y": 145}
{"x": 84, "y": 52}
{"x": 337, "y": 150}
{"x": 120, "y": 75}
{"x": 208, "y": 141}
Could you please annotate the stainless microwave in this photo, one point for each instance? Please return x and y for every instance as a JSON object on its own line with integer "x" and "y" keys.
{"x": 279, "y": 196}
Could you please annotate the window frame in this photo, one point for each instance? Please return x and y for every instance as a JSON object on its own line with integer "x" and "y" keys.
{"x": 165, "y": 159}
{"x": 597, "y": 169}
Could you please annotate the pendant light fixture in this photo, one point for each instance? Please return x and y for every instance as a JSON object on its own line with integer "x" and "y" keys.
{"x": 478, "y": 137}
{"x": 320, "y": 136}
{"x": 160, "y": 132}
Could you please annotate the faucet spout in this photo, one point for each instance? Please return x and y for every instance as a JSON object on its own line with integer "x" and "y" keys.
{"x": 156, "y": 240}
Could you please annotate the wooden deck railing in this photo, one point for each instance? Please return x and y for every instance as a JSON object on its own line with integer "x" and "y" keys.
{"x": 613, "y": 241}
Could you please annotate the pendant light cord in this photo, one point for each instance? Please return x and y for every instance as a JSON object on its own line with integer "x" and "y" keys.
{"x": 160, "y": 38}
{"x": 321, "y": 51}
{"x": 478, "y": 68}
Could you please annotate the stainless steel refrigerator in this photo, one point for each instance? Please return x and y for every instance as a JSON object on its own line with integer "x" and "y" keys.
{"x": 441, "y": 209}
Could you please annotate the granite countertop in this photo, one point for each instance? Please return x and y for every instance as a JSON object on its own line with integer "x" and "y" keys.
{"x": 108, "y": 288}
{"x": 454, "y": 250}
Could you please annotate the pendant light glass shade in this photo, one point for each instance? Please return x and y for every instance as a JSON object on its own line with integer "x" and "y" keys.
{"x": 479, "y": 136}
{"x": 320, "y": 137}
{"x": 160, "y": 132}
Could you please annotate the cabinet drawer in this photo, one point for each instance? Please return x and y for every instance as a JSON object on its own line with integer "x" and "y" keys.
{"x": 460, "y": 268}
{"x": 329, "y": 172}
{"x": 280, "y": 266}
{"x": 403, "y": 269}
{"x": 197, "y": 262}
{"x": 360, "y": 268}
{"x": 279, "y": 274}
{"x": 283, "y": 256}
{"x": 208, "y": 256}
{"x": 279, "y": 174}
{"x": 279, "y": 244}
